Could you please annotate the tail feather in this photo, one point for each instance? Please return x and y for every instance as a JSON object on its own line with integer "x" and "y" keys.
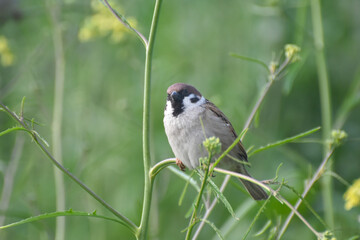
{"x": 255, "y": 190}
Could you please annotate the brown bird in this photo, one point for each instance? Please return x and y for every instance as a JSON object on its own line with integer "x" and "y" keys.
{"x": 184, "y": 107}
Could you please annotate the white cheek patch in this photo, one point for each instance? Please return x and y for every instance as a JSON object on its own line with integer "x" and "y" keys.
{"x": 188, "y": 104}
{"x": 169, "y": 109}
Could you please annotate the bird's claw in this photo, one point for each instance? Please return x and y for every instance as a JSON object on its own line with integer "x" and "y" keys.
{"x": 180, "y": 165}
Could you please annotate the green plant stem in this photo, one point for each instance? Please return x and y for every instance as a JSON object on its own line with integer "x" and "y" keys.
{"x": 284, "y": 141}
{"x": 325, "y": 101}
{"x": 273, "y": 193}
{"x": 319, "y": 172}
{"x": 161, "y": 165}
{"x": 146, "y": 124}
{"x": 9, "y": 175}
{"x": 125, "y": 221}
{"x": 55, "y": 10}
{"x": 198, "y": 200}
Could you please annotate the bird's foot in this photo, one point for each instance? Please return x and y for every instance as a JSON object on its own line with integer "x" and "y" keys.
{"x": 180, "y": 165}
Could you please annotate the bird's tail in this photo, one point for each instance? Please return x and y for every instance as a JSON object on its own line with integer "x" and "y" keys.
{"x": 255, "y": 190}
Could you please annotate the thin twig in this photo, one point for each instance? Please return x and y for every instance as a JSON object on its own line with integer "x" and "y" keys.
{"x": 127, "y": 25}
{"x": 316, "y": 176}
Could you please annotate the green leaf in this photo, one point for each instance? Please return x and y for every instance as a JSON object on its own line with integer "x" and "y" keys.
{"x": 357, "y": 237}
{"x": 277, "y": 172}
{"x": 185, "y": 177}
{"x": 219, "y": 195}
{"x": 242, "y": 210}
{"x": 185, "y": 189}
{"x": 263, "y": 229}
{"x": 256, "y": 217}
{"x": 9, "y": 130}
{"x": 60, "y": 214}
{"x": 212, "y": 225}
{"x": 338, "y": 177}
{"x": 250, "y": 59}
{"x": 189, "y": 212}
{"x": 286, "y": 140}
{"x": 22, "y": 107}
{"x": 41, "y": 138}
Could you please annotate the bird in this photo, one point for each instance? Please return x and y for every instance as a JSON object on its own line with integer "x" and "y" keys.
{"x": 189, "y": 118}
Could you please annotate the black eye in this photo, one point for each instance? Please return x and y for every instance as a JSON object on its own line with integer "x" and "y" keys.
{"x": 194, "y": 99}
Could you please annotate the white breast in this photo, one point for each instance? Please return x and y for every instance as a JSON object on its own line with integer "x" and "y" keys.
{"x": 185, "y": 133}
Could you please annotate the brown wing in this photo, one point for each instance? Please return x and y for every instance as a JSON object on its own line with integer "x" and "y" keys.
{"x": 217, "y": 112}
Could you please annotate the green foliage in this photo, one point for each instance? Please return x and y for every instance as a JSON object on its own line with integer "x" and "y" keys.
{"x": 102, "y": 109}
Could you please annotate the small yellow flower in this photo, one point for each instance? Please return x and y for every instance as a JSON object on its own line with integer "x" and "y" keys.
{"x": 102, "y": 23}
{"x": 212, "y": 145}
{"x": 3, "y": 44}
{"x": 327, "y": 235}
{"x": 273, "y": 66}
{"x": 337, "y": 136}
{"x": 85, "y": 34}
{"x": 7, "y": 57}
{"x": 352, "y": 195}
{"x": 291, "y": 52}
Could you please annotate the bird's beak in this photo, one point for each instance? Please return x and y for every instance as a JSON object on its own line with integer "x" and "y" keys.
{"x": 176, "y": 96}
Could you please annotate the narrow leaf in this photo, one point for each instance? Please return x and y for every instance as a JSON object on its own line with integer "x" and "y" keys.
{"x": 250, "y": 59}
{"x": 277, "y": 172}
{"x": 212, "y": 225}
{"x": 184, "y": 190}
{"x": 184, "y": 176}
{"x": 286, "y": 140}
{"x": 255, "y": 218}
{"x": 9, "y": 130}
{"x": 41, "y": 138}
{"x": 22, "y": 107}
{"x": 59, "y": 214}
{"x": 219, "y": 195}
{"x": 263, "y": 229}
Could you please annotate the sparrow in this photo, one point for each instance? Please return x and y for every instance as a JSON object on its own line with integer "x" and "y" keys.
{"x": 185, "y": 106}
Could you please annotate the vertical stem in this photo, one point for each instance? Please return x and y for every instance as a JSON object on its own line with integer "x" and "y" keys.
{"x": 146, "y": 124}
{"x": 57, "y": 116}
{"x": 9, "y": 176}
{"x": 325, "y": 106}
{"x": 193, "y": 216}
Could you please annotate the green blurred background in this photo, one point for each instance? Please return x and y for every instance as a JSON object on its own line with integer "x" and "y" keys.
{"x": 102, "y": 120}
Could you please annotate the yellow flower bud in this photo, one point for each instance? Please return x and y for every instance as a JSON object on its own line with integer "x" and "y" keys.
{"x": 352, "y": 195}
{"x": 291, "y": 52}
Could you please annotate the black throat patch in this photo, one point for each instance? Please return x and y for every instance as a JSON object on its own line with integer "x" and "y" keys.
{"x": 178, "y": 106}
{"x": 177, "y": 103}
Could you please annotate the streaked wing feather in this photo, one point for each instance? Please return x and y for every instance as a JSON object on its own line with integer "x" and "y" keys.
{"x": 221, "y": 115}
